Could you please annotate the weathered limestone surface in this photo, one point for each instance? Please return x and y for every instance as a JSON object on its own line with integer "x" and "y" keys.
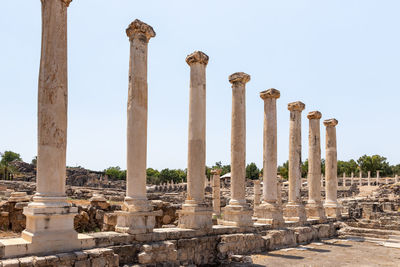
{"x": 332, "y": 207}
{"x": 216, "y": 191}
{"x": 137, "y": 215}
{"x": 195, "y": 214}
{"x": 177, "y": 247}
{"x": 238, "y": 212}
{"x": 270, "y": 211}
{"x": 314, "y": 207}
{"x": 49, "y": 218}
{"x": 294, "y": 209}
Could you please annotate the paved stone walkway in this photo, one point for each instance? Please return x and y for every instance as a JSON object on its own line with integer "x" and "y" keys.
{"x": 334, "y": 252}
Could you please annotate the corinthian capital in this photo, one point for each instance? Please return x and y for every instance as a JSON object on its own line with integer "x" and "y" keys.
{"x": 239, "y": 77}
{"x": 330, "y": 122}
{"x": 270, "y": 93}
{"x": 141, "y": 30}
{"x": 314, "y": 115}
{"x": 197, "y": 57}
{"x": 296, "y": 106}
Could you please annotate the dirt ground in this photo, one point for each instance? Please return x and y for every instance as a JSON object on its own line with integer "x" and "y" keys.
{"x": 329, "y": 253}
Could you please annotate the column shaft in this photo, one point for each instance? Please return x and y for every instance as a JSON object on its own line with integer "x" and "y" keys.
{"x": 295, "y": 156}
{"x": 270, "y": 151}
{"x": 137, "y": 119}
{"x": 314, "y": 206}
{"x": 332, "y": 208}
{"x": 216, "y": 195}
{"x": 52, "y": 102}
{"x": 197, "y": 133}
{"x": 238, "y": 144}
{"x": 314, "y": 161}
{"x": 331, "y": 165}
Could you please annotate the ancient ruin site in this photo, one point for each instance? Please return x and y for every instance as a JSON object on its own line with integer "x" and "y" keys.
{"x": 322, "y": 211}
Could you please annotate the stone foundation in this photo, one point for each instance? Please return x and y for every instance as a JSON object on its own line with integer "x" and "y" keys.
{"x": 180, "y": 246}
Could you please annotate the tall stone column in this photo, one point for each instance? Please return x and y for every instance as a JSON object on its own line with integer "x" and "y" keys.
{"x": 49, "y": 218}
{"x": 195, "y": 214}
{"x": 294, "y": 210}
{"x": 314, "y": 207}
{"x": 216, "y": 191}
{"x": 137, "y": 214}
{"x": 361, "y": 178}
{"x": 238, "y": 212}
{"x": 270, "y": 211}
{"x": 332, "y": 208}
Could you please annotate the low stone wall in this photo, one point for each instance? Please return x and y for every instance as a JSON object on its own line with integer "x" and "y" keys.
{"x": 177, "y": 247}
{"x": 103, "y": 257}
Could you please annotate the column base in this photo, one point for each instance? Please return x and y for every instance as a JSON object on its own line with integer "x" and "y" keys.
{"x": 237, "y": 215}
{"x": 315, "y": 211}
{"x": 270, "y": 213}
{"x": 195, "y": 216}
{"x": 136, "y": 222}
{"x": 294, "y": 212}
{"x": 333, "y": 210}
{"x": 137, "y": 217}
{"x": 50, "y": 228}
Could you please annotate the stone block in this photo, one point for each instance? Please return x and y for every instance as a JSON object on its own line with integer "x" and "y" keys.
{"x": 11, "y": 263}
{"x": 195, "y": 216}
{"x": 138, "y": 222}
{"x": 26, "y": 262}
{"x": 305, "y": 234}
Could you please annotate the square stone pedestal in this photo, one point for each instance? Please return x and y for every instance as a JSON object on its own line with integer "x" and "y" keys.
{"x": 195, "y": 216}
{"x": 294, "y": 212}
{"x": 50, "y": 228}
{"x": 270, "y": 213}
{"x": 237, "y": 215}
{"x": 333, "y": 210}
{"x": 315, "y": 211}
{"x": 136, "y": 222}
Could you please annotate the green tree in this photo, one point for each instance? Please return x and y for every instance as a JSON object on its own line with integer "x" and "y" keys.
{"x": 304, "y": 169}
{"x": 115, "y": 173}
{"x": 347, "y": 167}
{"x": 152, "y": 176}
{"x": 396, "y": 169}
{"x": 34, "y": 161}
{"x": 284, "y": 170}
{"x": 374, "y": 163}
{"x": 9, "y": 156}
{"x": 252, "y": 172}
{"x": 6, "y": 169}
{"x": 167, "y": 175}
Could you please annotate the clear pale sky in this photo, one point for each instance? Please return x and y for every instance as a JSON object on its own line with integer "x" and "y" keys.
{"x": 340, "y": 57}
